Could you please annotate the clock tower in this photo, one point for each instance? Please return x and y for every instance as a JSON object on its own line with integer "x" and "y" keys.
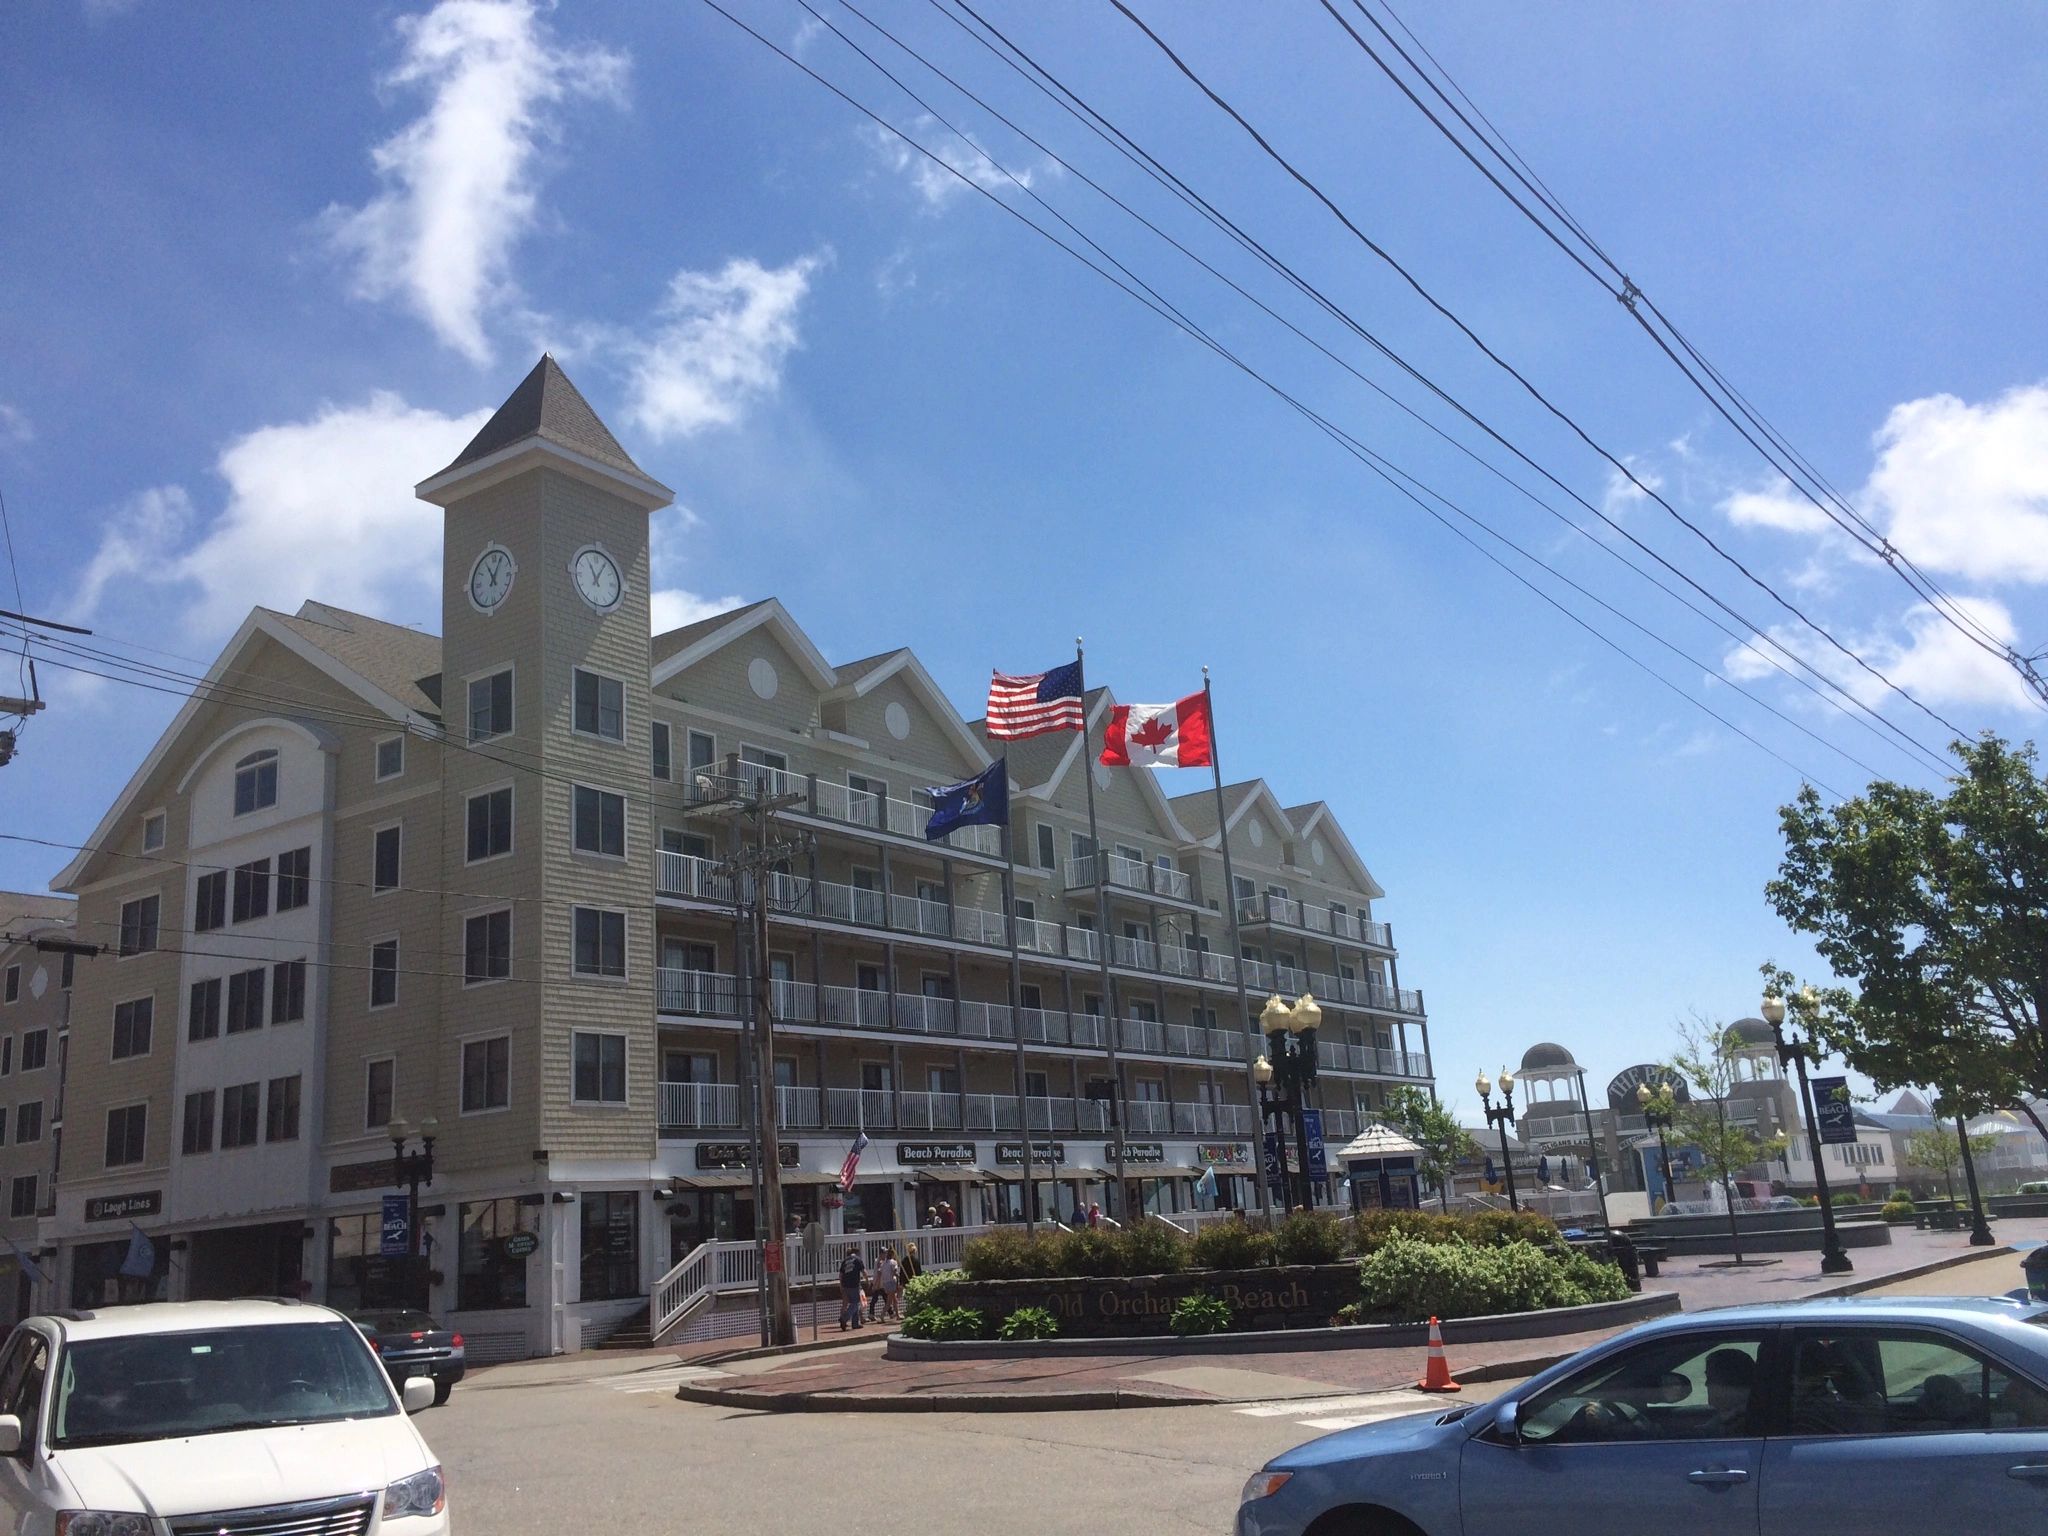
{"x": 545, "y": 693}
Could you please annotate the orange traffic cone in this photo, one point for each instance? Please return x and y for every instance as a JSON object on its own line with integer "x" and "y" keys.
{"x": 1436, "y": 1376}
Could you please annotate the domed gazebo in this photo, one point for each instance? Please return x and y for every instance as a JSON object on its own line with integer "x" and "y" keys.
{"x": 1756, "y": 1050}
{"x": 1553, "y": 1066}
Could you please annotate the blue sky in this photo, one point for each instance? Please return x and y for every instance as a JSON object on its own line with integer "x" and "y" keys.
{"x": 265, "y": 266}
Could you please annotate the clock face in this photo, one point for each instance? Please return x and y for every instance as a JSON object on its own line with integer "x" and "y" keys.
{"x": 490, "y": 579}
{"x": 597, "y": 578}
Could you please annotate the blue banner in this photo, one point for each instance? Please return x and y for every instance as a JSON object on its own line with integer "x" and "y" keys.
{"x": 395, "y": 1228}
{"x": 982, "y": 801}
{"x": 1318, "y": 1159}
{"x": 1275, "y": 1166}
{"x": 1833, "y": 1112}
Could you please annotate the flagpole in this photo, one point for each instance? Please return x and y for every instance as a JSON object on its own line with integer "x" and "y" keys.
{"x": 1017, "y": 1001}
{"x": 1110, "y": 1030}
{"x": 1244, "y": 1002}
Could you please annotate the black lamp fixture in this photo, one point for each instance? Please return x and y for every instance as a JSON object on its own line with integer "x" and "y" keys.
{"x": 412, "y": 1169}
{"x": 1284, "y": 1075}
{"x": 1834, "y": 1260}
{"x": 1501, "y": 1117}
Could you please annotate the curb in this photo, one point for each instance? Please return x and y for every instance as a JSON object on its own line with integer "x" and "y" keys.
{"x": 766, "y": 1352}
{"x": 961, "y": 1402}
{"x": 1969, "y": 1256}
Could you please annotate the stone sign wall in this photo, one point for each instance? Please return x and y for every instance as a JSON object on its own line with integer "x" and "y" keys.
{"x": 1300, "y": 1296}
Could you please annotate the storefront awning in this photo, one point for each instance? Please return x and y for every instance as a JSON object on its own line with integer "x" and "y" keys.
{"x": 1038, "y": 1174}
{"x": 719, "y": 1180}
{"x": 798, "y": 1176}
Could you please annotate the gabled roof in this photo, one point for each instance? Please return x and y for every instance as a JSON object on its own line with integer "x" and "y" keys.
{"x": 669, "y": 641}
{"x": 405, "y": 663}
{"x": 1066, "y": 752}
{"x": 1317, "y": 819}
{"x": 26, "y": 911}
{"x": 1197, "y": 810}
{"x": 547, "y": 405}
{"x": 857, "y": 679}
{"x": 709, "y": 636}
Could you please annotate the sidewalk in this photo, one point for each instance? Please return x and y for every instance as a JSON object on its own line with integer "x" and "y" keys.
{"x": 855, "y": 1377}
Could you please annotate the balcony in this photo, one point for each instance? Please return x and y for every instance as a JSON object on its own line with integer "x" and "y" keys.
{"x": 1127, "y": 874}
{"x": 839, "y": 803}
{"x": 1269, "y": 910}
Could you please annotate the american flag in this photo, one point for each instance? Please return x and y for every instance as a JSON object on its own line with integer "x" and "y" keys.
{"x": 1022, "y": 707}
{"x": 852, "y": 1163}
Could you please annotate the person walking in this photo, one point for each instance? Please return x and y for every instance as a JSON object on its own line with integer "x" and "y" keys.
{"x": 852, "y": 1270}
{"x": 912, "y": 1265}
{"x": 1094, "y": 1214}
{"x": 889, "y": 1283}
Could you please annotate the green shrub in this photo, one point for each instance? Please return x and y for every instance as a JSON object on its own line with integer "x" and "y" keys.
{"x": 1199, "y": 1313}
{"x": 928, "y": 1289}
{"x": 1088, "y": 1251}
{"x": 1897, "y": 1210}
{"x": 1008, "y": 1253}
{"x": 1309, "y": 1237}
{"x": 945, "y": 1323}
{"x": 1481, "y": 1229}
{"x": 1371, "y": 1228}
{"x": 1234, "y": 1244}
{"x": 1407, "y": 1279}
{"x": 1845, "y": 1197}
{"x": 1029, "y": 1323}
{"x": 1153, "y": 1248}
{"x": 1493, "y": 1228}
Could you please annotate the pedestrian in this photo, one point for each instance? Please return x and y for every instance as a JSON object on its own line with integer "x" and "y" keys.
{"x": 852, "y": 1270}
{"x": 947, "y": 1217}
{"x": 931, "y": 1215}
{"x": 913, "y": 1266}
{"x": 1094, "y": 1214}
{"x": 889, "y": 1282}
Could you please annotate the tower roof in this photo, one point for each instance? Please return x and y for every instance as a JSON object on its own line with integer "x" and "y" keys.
{"x": 547, "y": 405}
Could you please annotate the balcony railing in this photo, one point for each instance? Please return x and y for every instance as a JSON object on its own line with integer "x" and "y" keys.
{"x": 1287, "y": 912}
{"x": 866, "y": 809}
{"x": 1129, "y": 874}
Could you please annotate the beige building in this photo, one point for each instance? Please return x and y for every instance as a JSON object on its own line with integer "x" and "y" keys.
{"x": 36, "y": 978}
{"x": 370, "y": 878}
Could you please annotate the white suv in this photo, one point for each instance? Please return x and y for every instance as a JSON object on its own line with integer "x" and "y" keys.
{"x": 209, "y": 1418}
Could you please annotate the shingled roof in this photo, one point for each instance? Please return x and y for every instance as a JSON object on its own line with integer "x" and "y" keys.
{"x": 403, "y": 662}
{"x": 547, "y": 405}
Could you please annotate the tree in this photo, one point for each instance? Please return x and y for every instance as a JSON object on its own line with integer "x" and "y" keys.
{"x": 1935, "y": 1150}
{"x": 1936, "y": 908}
{"x": 1424, "y": 1121}
{"x": 1706, "y": 1060}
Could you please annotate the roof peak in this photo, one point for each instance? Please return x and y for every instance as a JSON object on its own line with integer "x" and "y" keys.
{"x": 546, "y": 405}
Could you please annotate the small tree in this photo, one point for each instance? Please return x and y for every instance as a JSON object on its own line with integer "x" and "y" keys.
{"x": 1938, "y": 1152}
{"x": 1706, "y": 1060}
{"x": 1433, "y": 1128}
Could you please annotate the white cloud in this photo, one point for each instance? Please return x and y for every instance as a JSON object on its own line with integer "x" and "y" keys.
{"x": 1928, "y": 657}
{"x": 673, "y": 607}
{"x": 16, "y": 431}
{"x": 316, "y": 508}
{"x": 459, "y": 181}
{"x": 1776, "y": 505}
{"x": 1622, "y": 495}
{"x": 718, "y": 344}
{"x": 934, "y": 181}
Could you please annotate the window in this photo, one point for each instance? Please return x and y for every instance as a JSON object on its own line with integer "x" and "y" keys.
{"x": 487, "y": 947}
{"x": 288, "y": 992}
{"x": 490, "y": 706}
{"x": 13, "y": 983}
{"x": 1027, "y": 910}
{"x": 1684, "y": 1387}
{"x": 390, "y": 758}
{"x": 202, "y": 1012}
{"x": 1078, "y": 846}
{"x": 138, "y": 925}
{"x": 1036, "y": 1085}
{"x": 64, "y": 976}
{"x": 600, "y": 1068}
{"x": 866, "y": 799}
{"x": 132, "y": 1021}
{"x": 3, "y": 1125}
{"x": 600, "y": 705}
{"x": 1047, "y": 857}
{"x": 210, "y": 902}
{"x": 153, "y": 831}
{"x": 198, "y": 1134}
{"x": 6, "y": 1055}
{"x": 238, "y": 1111}
{"x": 611, "y": 1245}
{"x": 245, "y": 1001}
{"x": 294, "y": 879}
{"x": 703, "y": 753}
{"x": 28, "y": 1121}
{"x": 22, "y": 1198}
{"x": 486, "y": 1074}
{"x": 384, "y": 860}
{"x": 281, "y": 1118}
{"x": 35, "y": 1050}
{"x": 255, "y": 782}
{"x": 127, "y": 1133}
{"x": 1871, "y": 1382}
{"x": 490, "y": 824}
{"x": 600, "y": 942}
{"x": 379, "y": 1085}
{"x": 252, "y": 890}
{"x": 600, "y": 822}
{"x": 487, "y": 1278}
{"x": 383, "y": 973}
{"x": 658, "y": 742}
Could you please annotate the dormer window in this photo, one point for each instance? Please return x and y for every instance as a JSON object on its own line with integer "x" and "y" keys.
{"x": 256, "y": 782}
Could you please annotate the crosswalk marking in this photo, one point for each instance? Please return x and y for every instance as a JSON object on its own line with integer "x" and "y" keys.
{"x": 665, "y": 1378}
{"x": 1328, "y": 1413}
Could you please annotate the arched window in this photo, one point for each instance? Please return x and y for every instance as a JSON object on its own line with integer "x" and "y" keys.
{"x": 256, "y": 782}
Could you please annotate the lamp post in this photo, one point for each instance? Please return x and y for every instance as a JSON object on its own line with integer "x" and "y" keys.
{"x": 1833, "y": 1259}
{"x": 1501, "y": 1118}
{"x": 412, "y": 1169}
{"x": 1658, "y": 1109}
{"x": 1593, "y": 1151}
{"x": 1290, "y": 1062}
{"x": 1980, "y": 1230}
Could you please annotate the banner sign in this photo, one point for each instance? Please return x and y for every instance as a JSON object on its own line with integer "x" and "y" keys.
{"x": 1137, "y": 1152}
{"x": 1219, "y": 1154}
{"x": 1044, "y": 1154}
{"x": 394, "y": 1227}
{"x": 1833, "y": 1113}
{"x": 935, "y": 1154}
{"x": 1318, "y": 1159}
{"x": 144, "y": 1202}
{"x": 739, "y": 1154}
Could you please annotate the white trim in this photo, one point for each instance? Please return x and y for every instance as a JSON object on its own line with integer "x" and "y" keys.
{"x": 938, "y": 706}
{"x": 121, "y": 924}
{"x": 667, "y": 730}
{"x": 625, "y": 823}
{"x": 596, "y": 548}
{"x": 159, "y": 814}
{"x": 377, "y": 832}
{"x": 625, "y": 944}
{"x": 624, "y": 715}
{"x": 469, "y": 581}
{"x": 369, "y": 1062}
{"x": 115, "y": 1109}
{"x": 370, "y": 1004}
{"x": 377, "y": 745}
{"x": 462, "y": 738}
{"x": 462, "y": 1045}
{"x": 470, "y": 916}
{"x": 457, "y": 481}
{"x": 119, "y": 1003}
{"x": 771, "y": 612}
{"x": 625, "y": 1098}
{"x": 512, "y": 847}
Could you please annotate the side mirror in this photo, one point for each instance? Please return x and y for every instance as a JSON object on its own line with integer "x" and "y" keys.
{"x": 1506, "y": 1425}
{"x": 417, "y": 1393}
{"x": 10, "y": 1435}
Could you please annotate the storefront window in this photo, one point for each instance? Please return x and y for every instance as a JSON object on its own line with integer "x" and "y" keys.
{"x": 611, "y": 1245}
{"x": 871, "y": 1208}
{"x": 492, "y": 1272}
{"x": 97, "y": 1279}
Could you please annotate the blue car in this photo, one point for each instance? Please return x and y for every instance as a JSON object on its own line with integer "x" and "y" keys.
{"x": 1819, "y": 1418}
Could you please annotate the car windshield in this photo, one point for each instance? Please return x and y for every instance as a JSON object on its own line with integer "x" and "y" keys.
{"x": 158, "y": 1386}
{"x": 397, "y": 1322}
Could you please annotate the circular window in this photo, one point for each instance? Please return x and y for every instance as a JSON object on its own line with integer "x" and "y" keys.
{"x": 1257, "y": 834}
{"x": 1315, "y": 850}
{"x": 762, "y": 677}
{"x": 1101, "y": 777}
{"x": 897, "y": 719}
{"x": 39, "y": 983}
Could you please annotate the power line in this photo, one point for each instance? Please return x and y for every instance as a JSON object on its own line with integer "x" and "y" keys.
{"x": 1529, "y": 387}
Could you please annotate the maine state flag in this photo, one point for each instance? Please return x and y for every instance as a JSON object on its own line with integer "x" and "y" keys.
{"x": 982, "y": 801}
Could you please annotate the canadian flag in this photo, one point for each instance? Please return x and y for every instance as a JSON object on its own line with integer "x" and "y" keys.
{"x": 1160, "y": 735}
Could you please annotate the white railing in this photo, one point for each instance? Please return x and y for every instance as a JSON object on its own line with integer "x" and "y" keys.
{"x": 680, "y": 1291}
{"x": 916, "y": 914}
{"x": 899, "y": 818}
{"x": 1039, "y": 938}
{"x": 1129, "y": 874}
{"x": 711, "y": 994}
{"x": 691, "y": 1106}
{"x": 1287, "y": 912}
{"x": 998, "y": 1112}
{"x": 688, "y": 877}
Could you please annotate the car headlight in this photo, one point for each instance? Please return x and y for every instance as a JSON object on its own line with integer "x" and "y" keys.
{"x": 1263, "y": 1486}
{"x": 424, "y": 1493}
{"x": 100, "y": 1522}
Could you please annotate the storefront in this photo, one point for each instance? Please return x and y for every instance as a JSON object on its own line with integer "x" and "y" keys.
{"x": 609, "y": 1245}
{"x": 939, "y": 1173}
{"x": 223, "y": 1263}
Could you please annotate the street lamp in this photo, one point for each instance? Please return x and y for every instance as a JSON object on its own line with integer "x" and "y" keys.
{"x": 412, "y": 1169}
{"x": 1593, "y": 1152}
{"x": 1980, "y": 1230}
{"x": 1833, "y": 1259}
{"x": 1658, "y": 1109}
{"x": 1501, "y": 1118}
{"x": 1290, "y": 1030}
